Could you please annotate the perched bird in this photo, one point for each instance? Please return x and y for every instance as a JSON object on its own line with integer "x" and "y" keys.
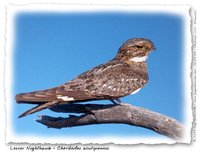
{"x": 125, "y": 74}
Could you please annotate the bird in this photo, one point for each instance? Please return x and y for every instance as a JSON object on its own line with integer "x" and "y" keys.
{"x": 123, "y": 75}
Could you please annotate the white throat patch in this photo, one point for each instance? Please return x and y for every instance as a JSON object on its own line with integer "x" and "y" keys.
{"x": 139, "y": 59}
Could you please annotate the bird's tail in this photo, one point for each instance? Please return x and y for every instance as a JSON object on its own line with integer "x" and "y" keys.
{"x": 36, "y": 97}
{"x": 39, "y": 108}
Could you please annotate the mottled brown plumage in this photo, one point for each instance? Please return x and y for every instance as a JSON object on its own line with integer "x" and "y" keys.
{"x": 126, "y": 73}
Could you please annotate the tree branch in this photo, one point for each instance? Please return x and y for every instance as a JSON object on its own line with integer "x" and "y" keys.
{"x": 123, "y": 113}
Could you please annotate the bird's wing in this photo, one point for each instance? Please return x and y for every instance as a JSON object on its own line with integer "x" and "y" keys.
{"x": 105, "y": 81}
{"x": 112, "y": 80}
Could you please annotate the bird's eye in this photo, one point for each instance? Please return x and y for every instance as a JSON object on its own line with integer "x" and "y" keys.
{"x": 139, "y": 46}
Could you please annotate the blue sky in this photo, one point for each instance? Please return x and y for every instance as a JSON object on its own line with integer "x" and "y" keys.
{"x": 50, "y": 49}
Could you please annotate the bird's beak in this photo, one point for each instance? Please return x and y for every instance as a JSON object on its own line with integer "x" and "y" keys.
{"x": 151, "y": 46}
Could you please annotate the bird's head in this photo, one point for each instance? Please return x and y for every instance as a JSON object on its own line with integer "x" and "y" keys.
{"x": 136, "y": 50}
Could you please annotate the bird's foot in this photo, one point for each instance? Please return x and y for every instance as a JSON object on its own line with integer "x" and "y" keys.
{"x": 116, "y": 101}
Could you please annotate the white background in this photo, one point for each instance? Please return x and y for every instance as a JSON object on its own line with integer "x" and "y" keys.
{"x": 139, "y": 148}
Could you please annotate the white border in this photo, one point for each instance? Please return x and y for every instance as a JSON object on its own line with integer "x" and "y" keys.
{"x": 12, "y": 10}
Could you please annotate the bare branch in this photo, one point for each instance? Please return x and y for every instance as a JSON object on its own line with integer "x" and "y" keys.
{"x": 104, "y": 114}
